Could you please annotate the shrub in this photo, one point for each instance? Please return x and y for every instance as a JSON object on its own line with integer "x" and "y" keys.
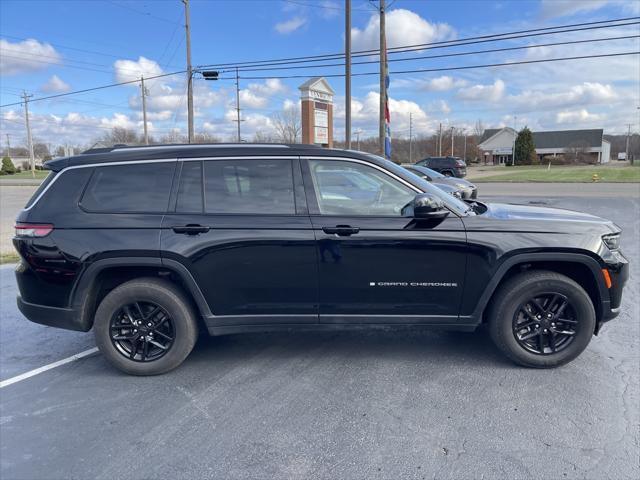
{"x": 7, "y": 166}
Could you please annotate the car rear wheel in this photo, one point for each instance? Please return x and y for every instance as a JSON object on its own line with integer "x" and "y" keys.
{"x": 447, "y": 173}
{"x": 541, "y": 319}
{"x": 145, "y": 327}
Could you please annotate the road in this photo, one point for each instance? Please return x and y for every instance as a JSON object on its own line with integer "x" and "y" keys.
{"x": 328, "y": 405}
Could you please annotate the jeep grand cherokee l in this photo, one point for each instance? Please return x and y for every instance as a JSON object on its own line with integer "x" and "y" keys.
{"x": 146, "y": 245}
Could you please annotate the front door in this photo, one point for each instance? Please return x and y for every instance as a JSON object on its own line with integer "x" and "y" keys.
{"x": 241, "y": 228}
{"x": 376, "y": 266}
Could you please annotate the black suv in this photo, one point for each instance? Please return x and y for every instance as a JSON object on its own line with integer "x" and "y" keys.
{"x": 447, "y": 166}
{"x": 149, "y": 244}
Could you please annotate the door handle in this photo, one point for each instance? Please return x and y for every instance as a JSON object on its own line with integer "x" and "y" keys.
{"x": 341, "y": 230}
{"x": 190, "y": 229}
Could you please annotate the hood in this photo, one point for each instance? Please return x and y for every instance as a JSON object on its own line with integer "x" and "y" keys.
{"x": 453, "y": 182}
{"x": 503, "y": 211}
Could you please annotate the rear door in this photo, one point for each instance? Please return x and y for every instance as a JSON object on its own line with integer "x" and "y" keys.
{"x": 240, "y": 225}
{"x": 376, "y": 266}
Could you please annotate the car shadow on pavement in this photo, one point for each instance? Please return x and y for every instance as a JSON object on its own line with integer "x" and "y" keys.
{"x": 439, "y": 348}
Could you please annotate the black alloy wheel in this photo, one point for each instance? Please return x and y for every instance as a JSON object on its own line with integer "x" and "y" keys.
{"x": 142, "y": 331}
{"x": 545, "y": 324}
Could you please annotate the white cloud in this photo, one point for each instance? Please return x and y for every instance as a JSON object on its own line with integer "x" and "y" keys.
{"x": 587, "y": 93}
{"x": 563, "y": 8}
{"x": 403, "y": 27}
{"x": 130, "y": 70}
{"x": 257, "y": 95}
{"x": 55, "y": 85}
{"x": 289, "y": 26}
{"x": 440, "y": 84}
{"x": 26, "y": 56}
{"x": 489, "y": 93}
{"x": 576, "y": 116}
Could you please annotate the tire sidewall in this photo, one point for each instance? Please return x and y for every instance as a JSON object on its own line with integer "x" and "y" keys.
{"x": 502, "y": 325}
{"x": 168, "y": 299}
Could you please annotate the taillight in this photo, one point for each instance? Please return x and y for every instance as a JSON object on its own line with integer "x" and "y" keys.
{"x": 33, "y": 229}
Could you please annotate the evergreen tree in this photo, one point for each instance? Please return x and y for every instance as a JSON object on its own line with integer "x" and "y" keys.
{"x": 525, "y": 149}
{"x": 7, "y": 166}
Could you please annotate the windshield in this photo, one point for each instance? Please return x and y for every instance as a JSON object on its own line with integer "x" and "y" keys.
{"x": 427, "y": 171}
{"x": 450, "y": 201}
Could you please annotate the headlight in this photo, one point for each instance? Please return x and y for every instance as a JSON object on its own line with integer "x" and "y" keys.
{"x": 461, "y": 185}
{"x": 612, "y": 240}
{"x": 457, "y": 194}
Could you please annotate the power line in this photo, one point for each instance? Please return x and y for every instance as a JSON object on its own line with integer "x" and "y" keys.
{"x": 441, "y": 44}
{"x": 446, "y": 69}
{"x": 141, "y": 12}
{"x": 93, "y": 89}
{"x": 457, "y": 54}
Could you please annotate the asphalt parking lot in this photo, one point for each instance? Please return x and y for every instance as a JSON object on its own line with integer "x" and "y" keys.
{"x": 331, "y": 405}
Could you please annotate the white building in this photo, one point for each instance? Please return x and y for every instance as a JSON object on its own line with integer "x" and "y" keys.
{"x": 497, "y": 144}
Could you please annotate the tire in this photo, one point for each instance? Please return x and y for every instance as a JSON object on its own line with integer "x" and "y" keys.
{"x": 447, "y": 173}
{"x": 525, "y": 293}
{"x": 175, "y": 312}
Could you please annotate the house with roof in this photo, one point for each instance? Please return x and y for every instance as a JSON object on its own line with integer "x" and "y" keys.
{"x": 496, "y": 144}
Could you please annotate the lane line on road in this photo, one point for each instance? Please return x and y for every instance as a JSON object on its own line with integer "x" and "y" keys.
{"x": 37, "y": 371}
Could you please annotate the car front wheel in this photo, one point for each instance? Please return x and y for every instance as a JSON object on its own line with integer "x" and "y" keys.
{"x": 145, "y": 327}
{"x": 541, "y": 319}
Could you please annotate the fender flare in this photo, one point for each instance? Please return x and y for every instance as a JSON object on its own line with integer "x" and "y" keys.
{"x": 80, "y": 294}
{"x": 559, "y": 257}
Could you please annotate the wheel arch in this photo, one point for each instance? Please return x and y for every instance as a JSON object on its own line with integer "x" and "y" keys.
{"x": 101, "y": 276}
{"x": 582, "y": 268}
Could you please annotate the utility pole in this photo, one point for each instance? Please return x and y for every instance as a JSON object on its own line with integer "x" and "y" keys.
{"x": 513, "y": 153}
{"x": 187, "y": 28}
{"x": 347, "y": 72}
{"x": 383, "y": 74}
{"x": 358, "y": 132}
{"x": 8, "y": 146}
{"x": 29, "y": 138}
{"x": 452, "y": 137}
{"x": 238, "y": 103}
{"x": 410, "y": 136}
{"x": 144, "y": 110}
{"x": 626, "y": 155}
{"x": 440, "y": 141}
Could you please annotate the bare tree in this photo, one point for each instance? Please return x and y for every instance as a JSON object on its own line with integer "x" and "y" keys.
{"x": 205, "y": 138}
{"x": 174, "y": 136}
{"x": 577, "y": 152}
{"x": 287, "y": 125}
{"x": 120, "y": 135}
{"x": 262, "y": 137}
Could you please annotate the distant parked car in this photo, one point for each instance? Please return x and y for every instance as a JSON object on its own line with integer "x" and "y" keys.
{"x": 466, "y": 190}
{"x": 448, "y": 166}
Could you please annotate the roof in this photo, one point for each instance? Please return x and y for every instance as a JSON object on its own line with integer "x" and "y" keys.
{"x": 557, "y": 138}
{"x": 566, "y": 138}
{"x": 317, "y": 83}
{"x": 158, "y": 152}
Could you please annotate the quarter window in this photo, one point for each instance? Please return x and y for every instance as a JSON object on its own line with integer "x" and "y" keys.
{"x": 349, "y": 188}
{"x": 249, "y": 186}
{"x": 136, "y": 188}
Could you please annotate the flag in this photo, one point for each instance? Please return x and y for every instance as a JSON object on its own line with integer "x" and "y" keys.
{"x": 387, "y": 115}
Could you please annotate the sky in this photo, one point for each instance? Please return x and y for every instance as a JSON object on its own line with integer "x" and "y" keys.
{"x": 52, "y": 47}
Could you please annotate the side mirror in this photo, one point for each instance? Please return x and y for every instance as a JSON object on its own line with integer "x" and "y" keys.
{"x": 426, "y": 206}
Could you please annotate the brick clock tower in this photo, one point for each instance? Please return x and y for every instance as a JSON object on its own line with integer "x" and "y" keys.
{"x": 317, "y": 112}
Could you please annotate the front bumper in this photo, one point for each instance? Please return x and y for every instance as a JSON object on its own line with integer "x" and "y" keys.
{"x": 66, "y": 318}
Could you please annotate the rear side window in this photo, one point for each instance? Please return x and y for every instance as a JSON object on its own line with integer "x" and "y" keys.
{"x": 136, "y": 188}
{"x": 45, "y": 183}
{"x": 263, "y": 186}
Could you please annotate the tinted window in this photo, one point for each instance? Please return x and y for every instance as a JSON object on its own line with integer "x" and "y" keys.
{"x": 48, "y": 179}
{"x": 136, "y": 188}
{"x": 361, "y": 190}
{"x": 190, "y": 188}
{"x": 249, "y": 186}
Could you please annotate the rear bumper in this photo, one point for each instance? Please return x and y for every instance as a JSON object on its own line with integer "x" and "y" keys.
{"x": 66, "y": 318}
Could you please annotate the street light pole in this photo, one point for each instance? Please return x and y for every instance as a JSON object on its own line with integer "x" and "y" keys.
{"x": 383, "y": 74}
{"x": 29, "y": 138}
{"x": 144, "y": 110}
{"x": 410, "y": 136}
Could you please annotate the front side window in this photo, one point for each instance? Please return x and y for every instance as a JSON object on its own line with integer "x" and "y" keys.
{"x": 262, "y": 186}
{"x": 135, "y": 188}
{"x": 350, "y": 188}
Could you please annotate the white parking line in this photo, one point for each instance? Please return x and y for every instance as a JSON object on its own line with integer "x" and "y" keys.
{"x": 37, "y": 371}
